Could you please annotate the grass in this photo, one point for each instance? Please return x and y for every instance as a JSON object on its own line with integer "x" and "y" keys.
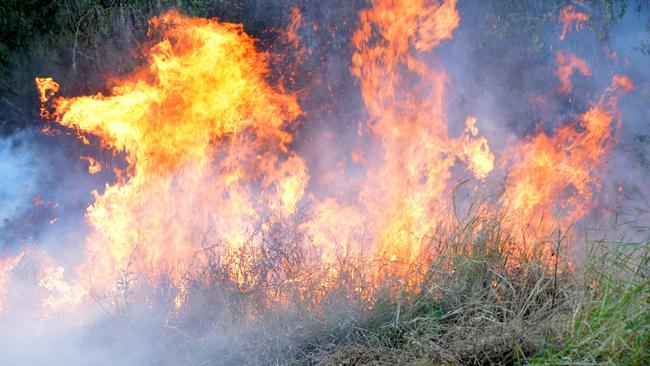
{"x": 480, "y": 301}
{"x": 475, "y": 306}
{"x": 611, "y": 319}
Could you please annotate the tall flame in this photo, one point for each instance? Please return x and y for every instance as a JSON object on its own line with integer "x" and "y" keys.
{"x": 7, "y": 264}
{"x": 553, "y": 177}
{"x": 566, "y": 64}
{"x": 405, "y": 98}
{"x": 203, "y": 135}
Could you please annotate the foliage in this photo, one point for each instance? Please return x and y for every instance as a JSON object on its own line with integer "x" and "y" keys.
{"x": 480, "y": 300}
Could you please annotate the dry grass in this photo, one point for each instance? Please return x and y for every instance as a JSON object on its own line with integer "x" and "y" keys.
{"x": 481, "y": 301}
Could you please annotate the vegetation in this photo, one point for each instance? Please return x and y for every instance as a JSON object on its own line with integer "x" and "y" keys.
{"x": 480, "y": 301}
{"x": 611, "y": 316}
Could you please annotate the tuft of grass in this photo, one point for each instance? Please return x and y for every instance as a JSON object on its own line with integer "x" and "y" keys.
{"x": 610, "y": 324}
{"x": 482, "y": 301}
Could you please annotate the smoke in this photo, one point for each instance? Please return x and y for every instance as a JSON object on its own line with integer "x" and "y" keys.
{"x": 59, "y": 343}
{"x": 44, "y": 190}
{"x": 504, "y": 77}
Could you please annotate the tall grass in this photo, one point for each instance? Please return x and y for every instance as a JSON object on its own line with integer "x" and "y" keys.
{"x": 478, "y": 300}
{"x": 610, "y": 323}
{"x": 482, "y": 301}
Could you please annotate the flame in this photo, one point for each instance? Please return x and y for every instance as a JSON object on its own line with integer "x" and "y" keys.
{"x": 406, "y": 193}
{"x": 296, "y": 21}
{"x": 204, "y": 137}
{"x": 622, "y": 81}
{"x": 566, "y": 64}
{"x": 568, "y": 16}
{"x": 553, "y": 177}
{"x": 202, "y": 132}
{"x": 476, "y": 151}
{"x": 47, "y": 87}
{"x": 546, "y": 166}
{"x": 7, "y": 264}
{"x": 62, "y": 294}
{"x": 94, "y": 166}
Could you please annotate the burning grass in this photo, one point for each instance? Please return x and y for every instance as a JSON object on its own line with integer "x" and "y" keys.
{"x": 473, "y": 305}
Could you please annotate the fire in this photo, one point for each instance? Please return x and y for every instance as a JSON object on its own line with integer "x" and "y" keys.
{"x": 407, "y": 191}
{"x": 208, "y": 150}
{"x": 204, "y": 137}
{"x": 568, "y": 16}
{"x": 296, "y": 21}
{"x": 7, "y": 264}
{"x": 94, "y": 166}
{"x": 203, "y": 134}
{"x": 554, "y": 176}
{"x": 63, "y": 294}
{"x": 47, "y": 87}
{"x": 623, "y": 82}
{"x": 566, "y": 64}
{"x": 476, "y": 151}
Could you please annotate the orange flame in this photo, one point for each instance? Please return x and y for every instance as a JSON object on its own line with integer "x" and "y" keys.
{"x": 568, "y": 16}
{"x": 476, "y": 151}
{"x": 406, "y": 194}
{"x": 7, "y": 264}
{"x": 202, "y": 131}
{"x": 94, "y": 166}
{"x": 566, "y": 63}
{"x": 622, "y": 81}
{"x": 47, "y": 87}
{"x": 296, "y": 21}
{"x": 554, "y": 176}
{"x": 62, "y": 294}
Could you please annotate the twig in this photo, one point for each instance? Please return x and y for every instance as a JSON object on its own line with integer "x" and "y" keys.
{"x": 557, "y": 260}
{"x": 399, "y": 305}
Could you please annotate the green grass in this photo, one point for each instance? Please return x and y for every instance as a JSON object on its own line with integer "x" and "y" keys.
{"x": 611, "y": 321}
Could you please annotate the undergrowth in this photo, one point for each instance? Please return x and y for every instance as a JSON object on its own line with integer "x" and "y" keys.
{"x": 479, "y": 300}
{"x": 610, "y": 323}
